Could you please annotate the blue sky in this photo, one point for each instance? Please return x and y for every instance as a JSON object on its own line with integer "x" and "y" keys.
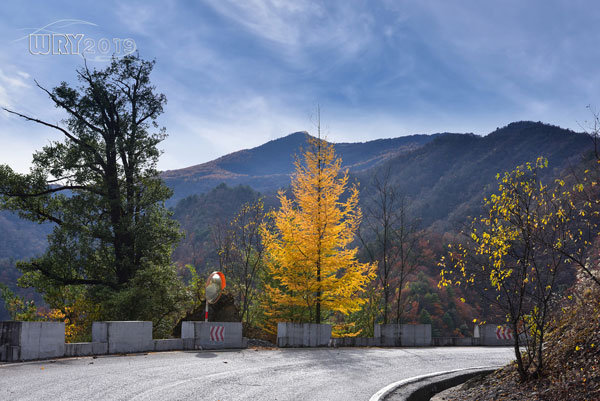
{"x": 239, "y": 73}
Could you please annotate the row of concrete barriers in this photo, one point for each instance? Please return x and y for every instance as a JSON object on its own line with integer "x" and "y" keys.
{"x": 385, "y": 335}
{"x": 20, "y": 341}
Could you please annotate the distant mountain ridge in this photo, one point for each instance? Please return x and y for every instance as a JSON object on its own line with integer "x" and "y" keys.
{"x": 268, "y": 166}
{"x": 444, "y": 178}
{"x": 447, "y": 178}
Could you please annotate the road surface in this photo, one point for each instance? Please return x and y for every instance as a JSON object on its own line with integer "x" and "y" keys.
{"x": 287, "y": 374}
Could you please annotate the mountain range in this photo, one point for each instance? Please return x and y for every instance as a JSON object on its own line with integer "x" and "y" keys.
{"x": 443, "y": 176}
{"x": 268, "y": 166}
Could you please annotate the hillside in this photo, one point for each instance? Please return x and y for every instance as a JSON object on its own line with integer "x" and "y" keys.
{"x": 444, "y": 179}
{"x": 198, "y": 213}
{"x": 18, "y": 239}
{"x": 267, "y": 167}
{"x": 447, "y": 178}
{"x": 444, "y": 175}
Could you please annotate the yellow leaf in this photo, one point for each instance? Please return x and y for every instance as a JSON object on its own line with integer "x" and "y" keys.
{"x": 309, "y": 251}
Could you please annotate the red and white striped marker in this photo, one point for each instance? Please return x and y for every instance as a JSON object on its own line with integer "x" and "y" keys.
{"x": 217, "y": 333}
{"x": 504, "y": 333}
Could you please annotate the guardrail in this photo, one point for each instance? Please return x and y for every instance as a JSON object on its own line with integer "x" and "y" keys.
{"x": 22, "y": 341}
{"x": 386, "y": 335}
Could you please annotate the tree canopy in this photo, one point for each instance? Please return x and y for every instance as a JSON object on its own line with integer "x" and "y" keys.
{"x": 309, "y": 253}
{"x": 99, "y": 185}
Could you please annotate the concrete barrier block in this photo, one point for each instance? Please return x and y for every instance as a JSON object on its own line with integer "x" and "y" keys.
{"x": 29, "y": 341}
{"x": 10, "y": 334}
{"x": 309, "y": 335}
{"x": 316, "y": 335}
{"x": 10, "y": 353}
{"x": 32, "y": 340}
{"x": 324, "y": 335}
{"x": 99, "y": 332}
{"x": 99, "y": 348}
{"x": 354, "y": 342}
{"x": 188, "y": 343}
{"x": 465, "y": 341}
{"x": 454, "y": 341}
{"x": 78, "y": 349}
{"x": 374, "y": 342}
{"x": 422, "y": 335}
{"x": 171, "y": 344}
{"x": 283, "y": 336}
{"x": 407, "y": 335}
{"x": 187, "y": 330}
{"x": 488, "y": 336}
{"x": 388, "y": 334}
{"x": 403, "y": 335}
{"x": 85, "y": 349}
{"x": 15, "y": 353}
{"x": 124, "y": 337}
{"x": 303, "y": 334}
{"x": 52, "y": 343}
{"x": 213, "y": 335}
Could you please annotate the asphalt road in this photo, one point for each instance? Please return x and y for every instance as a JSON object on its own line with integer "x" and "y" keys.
{"x": 289, "y": 374}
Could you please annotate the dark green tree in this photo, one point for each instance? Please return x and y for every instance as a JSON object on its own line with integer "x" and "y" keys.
{"x": 99, "y": 185}
{"x": 425, "y": 317}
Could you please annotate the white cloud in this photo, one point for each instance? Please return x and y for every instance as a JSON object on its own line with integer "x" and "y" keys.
{"x": 23, "y": 74}
{"x": 13, "y": 81}
{"x": 278, "y": 21}
{"x": 11, "y": 87}
{"x": 300, "y": 27}
{"x": 524, "y": 52}
{"x": 142, "y": 17}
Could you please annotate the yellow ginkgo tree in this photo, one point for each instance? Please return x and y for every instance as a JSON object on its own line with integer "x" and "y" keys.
{"x": 313, "y": 271}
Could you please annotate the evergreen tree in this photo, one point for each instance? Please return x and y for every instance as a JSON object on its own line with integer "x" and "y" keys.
{"x": 113, "y": 236}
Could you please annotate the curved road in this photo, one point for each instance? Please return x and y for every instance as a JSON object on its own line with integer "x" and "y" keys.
{"x": 288, "y": 374}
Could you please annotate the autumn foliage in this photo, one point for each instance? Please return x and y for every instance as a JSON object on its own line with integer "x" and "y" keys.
{"x": 514, "y": 255}
{"x": 313, "y": 271}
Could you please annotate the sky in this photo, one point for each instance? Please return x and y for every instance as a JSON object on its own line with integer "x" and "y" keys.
{"x": 239, "y": 73}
